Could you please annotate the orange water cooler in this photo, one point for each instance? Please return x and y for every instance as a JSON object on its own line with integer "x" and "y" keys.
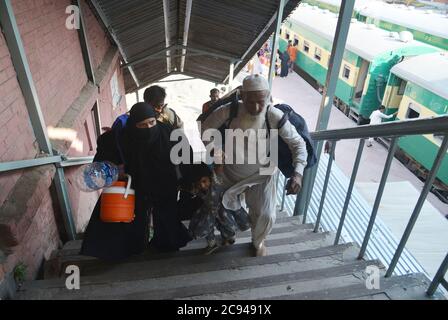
{"x": 118, "y": 203}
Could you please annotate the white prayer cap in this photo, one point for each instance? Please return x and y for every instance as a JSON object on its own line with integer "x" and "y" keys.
{"x": 255, "y": 82}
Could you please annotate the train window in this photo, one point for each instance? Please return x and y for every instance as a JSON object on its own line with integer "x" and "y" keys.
{"x": 306, "y": 46}
{"x": 346, "y": 72}
{"x": 402, "y": 87}
{"x": 317, "y": 54}
{"x": 296, "y": 41}
{"x": 413, "y": 111}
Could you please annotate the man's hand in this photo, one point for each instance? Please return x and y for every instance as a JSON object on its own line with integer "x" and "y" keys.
{"x": 294, "y": 184}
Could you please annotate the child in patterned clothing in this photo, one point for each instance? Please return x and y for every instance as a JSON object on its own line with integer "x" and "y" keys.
{"x": 202, "y": 182}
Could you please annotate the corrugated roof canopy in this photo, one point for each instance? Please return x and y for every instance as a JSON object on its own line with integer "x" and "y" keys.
{"x": 203, "y": 36}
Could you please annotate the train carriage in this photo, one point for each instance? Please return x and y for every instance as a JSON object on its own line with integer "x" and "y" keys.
{"x": 418, "y": 88}
{"x": 397, "y": 18}
{"x": 370, "y": 54}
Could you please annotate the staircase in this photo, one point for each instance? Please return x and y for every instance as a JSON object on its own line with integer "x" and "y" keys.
{"x": 301, "y": 265}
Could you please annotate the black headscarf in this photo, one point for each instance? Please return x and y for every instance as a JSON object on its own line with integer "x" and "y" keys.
{"x": 147, "y": 153}
{"x": 148, "y": 136}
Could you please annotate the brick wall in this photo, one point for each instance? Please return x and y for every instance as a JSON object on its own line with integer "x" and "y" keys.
{"x": 30, "y": 227}
{"x": 13, "y": 119}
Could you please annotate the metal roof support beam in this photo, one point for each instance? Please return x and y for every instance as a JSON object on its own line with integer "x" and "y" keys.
{"x": 84, "y": 44}
{"x": 214, "y": 54}
{"x": 20, "y": 62}
{"x": 160, "y": 54}
{"x": 186, "y": 30}
{"x": 155, "y": 55}
{"x": 231, "y": 75}
{"x": 166, "y": 8}
{"x": 337, "y": 53}
{"x": 111, "y": 32}
{"x": 279, "y": 20}
{"x": 257, "y": 39}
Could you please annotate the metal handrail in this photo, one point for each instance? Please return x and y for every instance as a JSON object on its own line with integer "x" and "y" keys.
{"x": 395, "y": 130}
{"x": 390, "y": 129}
{"x": 59, "y": 161}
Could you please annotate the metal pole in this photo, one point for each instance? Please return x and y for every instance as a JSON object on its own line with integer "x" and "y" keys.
{"x": 304, "y": 197}
{"x": 421, "y": 200}
{"x": 186, "y": 30}
{"x": 231, "y": 74}
{"x": 20, "y": 62}
{"x": 84, "y": 44}
{"x": 324, "y": 190}
{"x": 137, "y": 97}
{"x": 349, "y": 190}
{"x": 300, "y": 205}
{"x": 25, "y": 164}
{"x": 337, "y": 54}
{"x": 439, "y": 277}
{"x": 166, "y": 9}
{"x": 379, "y": 195}
{"x": 64, "y": 202}
{"x": 279, "y": 20}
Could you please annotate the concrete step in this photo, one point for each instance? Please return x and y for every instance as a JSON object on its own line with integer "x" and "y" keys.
{"x": 286, "y": 245}
{"x": 70, "y": 253}
{"x": 282, "y": 224}
{"x": 406, "y": 287}
{"x": 244, "y": 273}
{"x": 73, "y": 247}
{"x": 229, "y": 259}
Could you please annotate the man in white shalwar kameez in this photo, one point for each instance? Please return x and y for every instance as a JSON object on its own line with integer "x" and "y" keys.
{"x": 246, "y": 180}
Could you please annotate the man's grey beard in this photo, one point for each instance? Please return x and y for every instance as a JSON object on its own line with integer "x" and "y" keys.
{"x": 249, "y": 121}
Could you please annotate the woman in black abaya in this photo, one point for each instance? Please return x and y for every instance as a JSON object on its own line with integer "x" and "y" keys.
{"x": 146, "y": 148}
{"x": 284, "y": 59}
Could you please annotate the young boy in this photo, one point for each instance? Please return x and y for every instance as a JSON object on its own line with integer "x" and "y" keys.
{"x": 204, "y": 203}
{"x": 202, "y": 183}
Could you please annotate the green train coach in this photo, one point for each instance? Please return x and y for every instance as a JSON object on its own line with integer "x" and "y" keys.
{"x": 418, "y": 88}
{"x": 369, "y": 56}
{"x": 397, "y": 17}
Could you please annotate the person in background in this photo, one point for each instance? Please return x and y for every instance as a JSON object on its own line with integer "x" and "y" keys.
{"x": 155, "y": 96}
{"x": 284, "y": 60}
{"x": 377, "y": 117}
{"x": 292, "y": 52}
{"x": 214, "y": 97}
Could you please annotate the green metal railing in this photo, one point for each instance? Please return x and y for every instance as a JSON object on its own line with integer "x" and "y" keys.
{"x": 393, "y": 130}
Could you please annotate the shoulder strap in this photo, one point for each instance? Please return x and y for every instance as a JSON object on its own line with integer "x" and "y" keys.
{"x": 282, "y": 122}
{"x": 233, "y": 112}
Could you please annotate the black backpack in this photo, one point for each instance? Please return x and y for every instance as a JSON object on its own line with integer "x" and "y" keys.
{"x": 284, "y": 154}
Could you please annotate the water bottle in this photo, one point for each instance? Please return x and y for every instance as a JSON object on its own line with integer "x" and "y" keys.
{"x": 96, "y": 176}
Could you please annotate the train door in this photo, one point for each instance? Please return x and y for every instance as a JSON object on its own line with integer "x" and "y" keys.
{"x": 360, "y": 83}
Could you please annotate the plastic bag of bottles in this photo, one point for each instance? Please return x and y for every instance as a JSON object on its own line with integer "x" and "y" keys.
{"x": 97, "y": 175}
